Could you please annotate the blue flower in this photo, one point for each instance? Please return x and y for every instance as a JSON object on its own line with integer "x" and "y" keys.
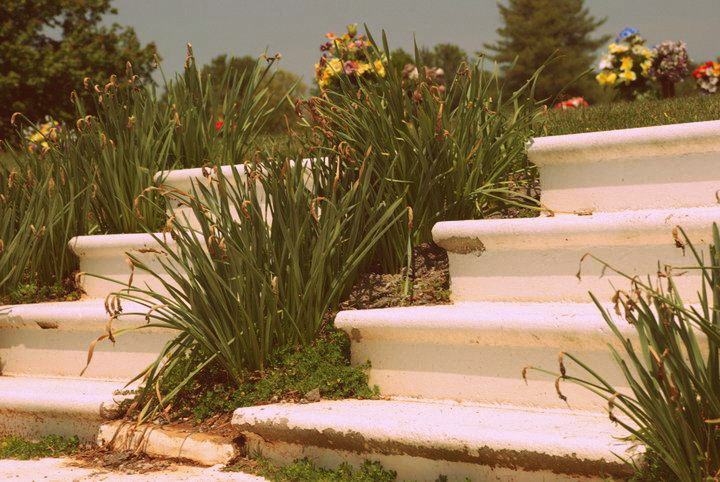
{"x": 627, "y": 32}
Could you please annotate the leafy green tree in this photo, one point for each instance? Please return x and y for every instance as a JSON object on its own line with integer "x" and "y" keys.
{"x": 47, "y": 47}
{"x": 279, "y": 83}
{"x": 533, "y": 31}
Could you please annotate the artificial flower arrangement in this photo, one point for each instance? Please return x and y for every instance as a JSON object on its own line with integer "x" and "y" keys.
{"x": 351, "y": 55}
{"x": 707, "y": 77}
{"x": 669, "y": 65}
{"x": 40, "y": 135}
{"x": 626, "y": 66}
{"x": 572, "y": 103}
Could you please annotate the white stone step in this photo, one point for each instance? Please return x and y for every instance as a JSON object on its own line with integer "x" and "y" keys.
{"x": 537, "y": 259}
{"x": 184, "y": 180}
{"x": 32, "y": 406}
{"x": 477, "y": 351}
{"x": 649, "y": 167}
{"x": 422, "y": 440}
{"x": 52, "y": 339}
{"x": 104, "y": 261}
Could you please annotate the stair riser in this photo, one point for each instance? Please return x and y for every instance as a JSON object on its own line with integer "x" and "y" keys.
{"x": 33, "y": 407}
{"x": 53, "y": 339}
{"x": 630, "y": 168}
{"x": 481, "y": 374}
{"x": 185, "y": 180}
{"x": 631, "y": 184}
{"x": 407, "y": 467}
{"x": 106, "y": 268}
{"x": 38, "y": 423}
{"x": 61, "y": 353}
{"x": 550, "y": 274}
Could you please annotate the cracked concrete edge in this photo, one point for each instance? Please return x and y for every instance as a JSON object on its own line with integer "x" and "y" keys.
{"x": 408, "y": 466}
{"x": 152, "y": 440}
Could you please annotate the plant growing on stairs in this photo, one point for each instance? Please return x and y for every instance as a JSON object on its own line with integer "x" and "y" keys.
{"x": 272, "y": 256}
{"x": 671, "y": 364}
{"x": 451, "y": 152}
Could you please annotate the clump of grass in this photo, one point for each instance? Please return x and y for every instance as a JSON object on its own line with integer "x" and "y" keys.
{"x": 42, "y": 205}
{"x": 14, "y": 447}
{"x": 627, "y": 115}
{"x": 306, "y": 470}
{"x": 275, "y": 251}
{"x": 449, "y": 152}
{"x": 322, "y": 366}
{"x": 671, "y": 366}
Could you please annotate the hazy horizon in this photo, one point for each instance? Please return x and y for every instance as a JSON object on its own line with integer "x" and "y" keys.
{"x": 296, "y": 28}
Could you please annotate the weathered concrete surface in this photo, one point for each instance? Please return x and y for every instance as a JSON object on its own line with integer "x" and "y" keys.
{"x": 477, "y": 351}
{"x": 52, "y": 340}
{"x": 65, "y": 470}
{"x": 155, "y": 441}
{"x": 466, "y": 440}
{"x": 32, "y": 407}
{"x": 539, "y": 259}
{"x": 671, "y": 166}
{"x": 106, "y": 266}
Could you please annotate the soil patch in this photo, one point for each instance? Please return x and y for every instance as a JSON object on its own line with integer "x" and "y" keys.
{"x": 430, "y": 280}
{"x": 127, "y": 462}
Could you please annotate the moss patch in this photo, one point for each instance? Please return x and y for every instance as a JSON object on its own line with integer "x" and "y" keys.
{"x": 13, "y": 447}
{"x": 321, "y": 370}
{"x": 32, "y": 293}
{"x": 307, "y": 471}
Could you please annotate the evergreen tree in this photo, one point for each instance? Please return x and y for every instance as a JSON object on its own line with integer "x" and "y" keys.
{"x": 533, "y": 31}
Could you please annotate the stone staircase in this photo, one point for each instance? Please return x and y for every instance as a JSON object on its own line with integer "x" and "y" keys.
{"x": 455, "y": 403}
{"x": 44, "y": 346}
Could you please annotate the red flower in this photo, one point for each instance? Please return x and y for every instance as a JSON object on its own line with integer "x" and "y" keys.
{"x": 219, "y": 125}
{"x": 573, "y": 103}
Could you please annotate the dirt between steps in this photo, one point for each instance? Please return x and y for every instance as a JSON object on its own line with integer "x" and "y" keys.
{"x": 430, "y": 278}
{"x": 127, "y": 462}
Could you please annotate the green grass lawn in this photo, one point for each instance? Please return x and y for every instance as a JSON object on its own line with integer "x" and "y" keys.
{"x": 641, "y": 113}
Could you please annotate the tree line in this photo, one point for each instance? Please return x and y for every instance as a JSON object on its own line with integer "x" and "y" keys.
{"x": 48, "y": 48}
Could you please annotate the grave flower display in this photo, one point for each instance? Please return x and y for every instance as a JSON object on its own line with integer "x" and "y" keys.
{"x": 351, "y": 55}
{"x": 40, "y": 136}
{"x": 707, "y": 77}
{"x": 572, "y": 103}
{"x": 626, "y": 66}
{"x": 669, "y": 65}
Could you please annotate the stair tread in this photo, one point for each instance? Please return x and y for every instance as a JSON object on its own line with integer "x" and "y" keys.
{"x": 563, "y": 440}
{"x": 634, "y": 227}
{"x": 56, "y": 394}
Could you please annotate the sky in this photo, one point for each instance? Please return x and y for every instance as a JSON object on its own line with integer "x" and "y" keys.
{"x": 296, "y": 28}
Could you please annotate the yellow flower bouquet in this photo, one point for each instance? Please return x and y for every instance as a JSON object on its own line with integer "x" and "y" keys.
{"x": 626, "y": 66}
{"x": 351, "y": 55}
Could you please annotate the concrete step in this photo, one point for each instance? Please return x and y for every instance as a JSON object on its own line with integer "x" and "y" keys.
{"x": 33, "y": 406}
{"x": 537, "y": 259}
{"x": 104, "y": 261}
{"x": 52, "y": 339}
{"x": 184, "y": 180}
{"x": 630, "y": 168}
{"x": 477, "y": 351}
{"x": 422, "y": 440}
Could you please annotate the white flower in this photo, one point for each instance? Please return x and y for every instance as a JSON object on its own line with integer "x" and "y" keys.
{"x": 605, "y": 62}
